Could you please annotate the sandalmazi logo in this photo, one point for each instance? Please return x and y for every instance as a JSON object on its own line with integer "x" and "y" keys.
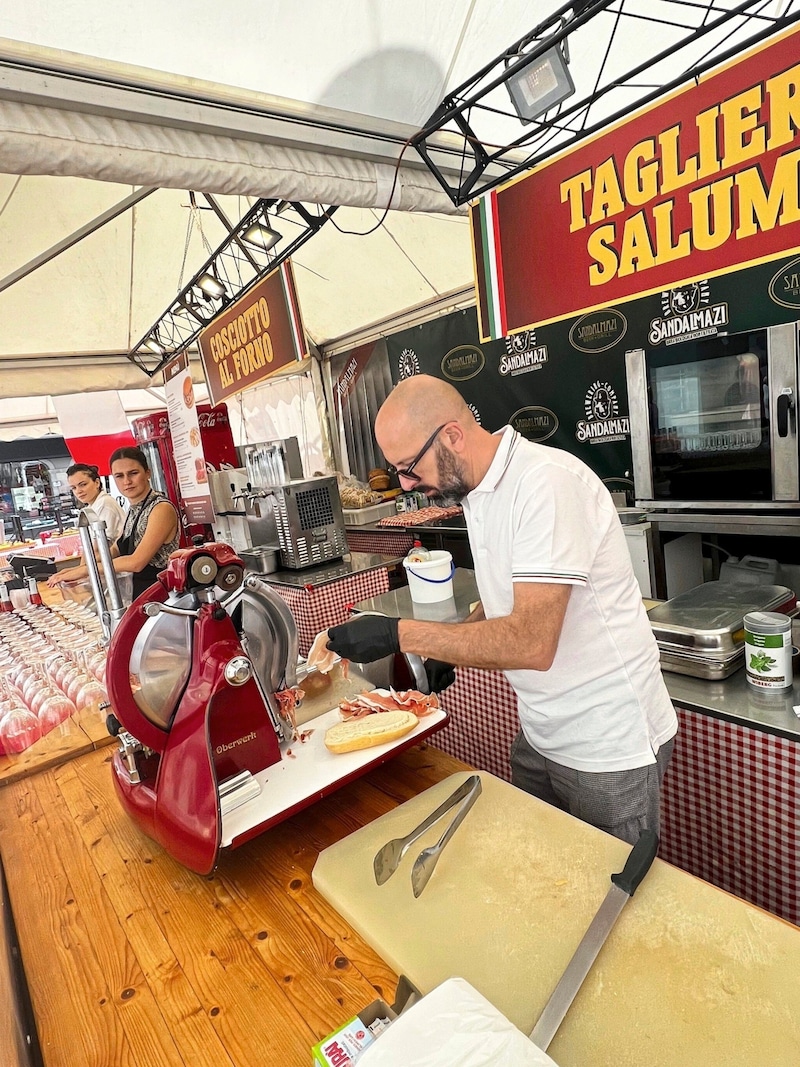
{"x": 687, "y": 315}
{"x": 603, "y": 421}
{"x": 535, "y": 423}
{"x": 598, "y": 331}
{"x": 784, "y": 288}
{"x": 476, "y": 414}
{"x": 408, "y": 364}
{"x": 522, "y": 354}
{"x": 462, "y": 363}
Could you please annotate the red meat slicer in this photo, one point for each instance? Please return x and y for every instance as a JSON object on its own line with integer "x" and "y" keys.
{"x": 206, "y": 759}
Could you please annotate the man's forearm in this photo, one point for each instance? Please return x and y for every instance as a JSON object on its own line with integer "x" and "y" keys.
{"x": 493, "y": 644}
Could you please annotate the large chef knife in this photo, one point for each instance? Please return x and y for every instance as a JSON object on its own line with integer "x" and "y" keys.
{"x": 624, "y": 885}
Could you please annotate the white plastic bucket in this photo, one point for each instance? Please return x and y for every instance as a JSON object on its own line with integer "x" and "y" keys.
{"x": 432, "y": 579}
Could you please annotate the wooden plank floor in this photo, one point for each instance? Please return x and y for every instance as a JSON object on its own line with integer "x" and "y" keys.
{"x": 133, "y": 961}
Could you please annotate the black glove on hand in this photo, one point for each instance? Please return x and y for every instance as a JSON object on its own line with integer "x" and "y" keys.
{"x": 365, "y": 638}
{"x": 440, "y": 675}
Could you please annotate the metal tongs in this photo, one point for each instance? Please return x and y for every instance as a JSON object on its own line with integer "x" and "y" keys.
{"x": 387, "y": 860}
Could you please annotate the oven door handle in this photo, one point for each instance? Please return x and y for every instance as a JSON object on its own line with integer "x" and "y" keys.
{"x": 785, "y": 406}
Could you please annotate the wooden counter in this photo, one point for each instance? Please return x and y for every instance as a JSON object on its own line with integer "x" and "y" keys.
{"x": 133, "y": 960}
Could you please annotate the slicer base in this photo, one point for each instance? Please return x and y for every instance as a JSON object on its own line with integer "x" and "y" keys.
{"x": 307, "y": 772}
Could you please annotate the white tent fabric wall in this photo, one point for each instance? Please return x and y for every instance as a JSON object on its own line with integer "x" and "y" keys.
{"x": 35, "y": 416}
{"x": 283, "y": 408}
{"x": 69, "y": 325}
{"x": 309, "y": 101}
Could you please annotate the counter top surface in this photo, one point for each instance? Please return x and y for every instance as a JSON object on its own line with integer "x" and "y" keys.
{"x": 132, "y": 959}
{"x": 398, "y": 602}
{"x": 733, "y": 699}
{"x": 736, "y": 700}
{"x": 325, "y": 573}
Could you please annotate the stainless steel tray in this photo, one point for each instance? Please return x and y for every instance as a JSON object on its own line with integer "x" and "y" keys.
{"x": 712, "y": 670}
{"x": 708, "y": 620}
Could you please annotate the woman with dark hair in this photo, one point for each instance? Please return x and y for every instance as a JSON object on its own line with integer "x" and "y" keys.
{"x": 151, "y": 531}
{"x": 84, "y": 481}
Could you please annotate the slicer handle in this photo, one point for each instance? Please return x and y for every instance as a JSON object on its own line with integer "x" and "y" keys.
{"x": 157, "y": 608}
{"x": 638, "y": 863}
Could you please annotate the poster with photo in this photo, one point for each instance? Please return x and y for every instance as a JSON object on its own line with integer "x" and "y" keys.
{"x": 187, "y": 445}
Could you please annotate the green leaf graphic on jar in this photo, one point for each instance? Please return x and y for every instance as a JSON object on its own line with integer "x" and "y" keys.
{"x": 761, "y": 662}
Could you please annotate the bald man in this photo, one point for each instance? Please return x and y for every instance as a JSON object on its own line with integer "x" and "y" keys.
{"x": 560, "y": 613}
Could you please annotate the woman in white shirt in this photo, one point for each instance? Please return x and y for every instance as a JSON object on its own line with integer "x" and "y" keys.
{"x": 84, "y": 481}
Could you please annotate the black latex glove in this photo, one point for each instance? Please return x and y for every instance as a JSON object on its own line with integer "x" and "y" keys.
{"x": 365, "y": 638}
{"x": 440, "y": 675}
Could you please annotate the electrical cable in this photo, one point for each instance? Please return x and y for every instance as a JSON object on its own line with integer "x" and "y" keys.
{"x": 387, "y": 209}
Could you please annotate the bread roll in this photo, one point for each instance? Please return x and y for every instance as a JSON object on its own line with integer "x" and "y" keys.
{"x": 371, "y": 730}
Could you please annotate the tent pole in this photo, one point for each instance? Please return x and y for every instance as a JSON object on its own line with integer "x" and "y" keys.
{"x": 74, "y": 238}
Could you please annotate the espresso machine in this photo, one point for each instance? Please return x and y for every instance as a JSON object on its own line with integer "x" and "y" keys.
{"x": 267, "y": 507}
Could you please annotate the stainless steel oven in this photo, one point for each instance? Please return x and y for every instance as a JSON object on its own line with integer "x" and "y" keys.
{"x": 714, "y": 422}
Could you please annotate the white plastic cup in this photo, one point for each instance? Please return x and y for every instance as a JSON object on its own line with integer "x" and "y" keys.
{"x": 431, "y": 580}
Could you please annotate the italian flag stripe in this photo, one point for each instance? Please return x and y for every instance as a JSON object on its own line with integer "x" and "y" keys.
{"x": 298, "y": 333}
{"x": 495, "y": 293}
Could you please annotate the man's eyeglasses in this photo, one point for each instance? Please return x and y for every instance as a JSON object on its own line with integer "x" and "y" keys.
{"x": 408, "y": 472}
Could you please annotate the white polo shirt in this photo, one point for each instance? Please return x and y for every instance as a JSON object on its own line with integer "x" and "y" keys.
{"x": 541, "y": 515}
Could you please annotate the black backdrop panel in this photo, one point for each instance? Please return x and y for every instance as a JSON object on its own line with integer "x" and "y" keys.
{"x": 536, "y": 380}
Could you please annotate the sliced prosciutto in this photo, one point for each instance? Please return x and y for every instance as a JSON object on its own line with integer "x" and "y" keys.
{"x": 381, "y": 700}
{"x": 322, "y": 658}
{"x": 287, "y": 700}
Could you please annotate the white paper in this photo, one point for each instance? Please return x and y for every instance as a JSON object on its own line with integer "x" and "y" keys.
{"x": 454, "y": 1026}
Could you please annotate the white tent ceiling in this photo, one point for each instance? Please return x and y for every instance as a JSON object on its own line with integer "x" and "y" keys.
{"x": 309, "y": 101}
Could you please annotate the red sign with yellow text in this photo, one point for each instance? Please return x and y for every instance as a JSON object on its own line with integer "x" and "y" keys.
{"x": 700, "y": 183}
{"x": 257, "y": 335}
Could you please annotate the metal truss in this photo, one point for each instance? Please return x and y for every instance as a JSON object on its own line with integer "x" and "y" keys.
{"x": 235, "y": 266}
{"x": 622, "y": 54}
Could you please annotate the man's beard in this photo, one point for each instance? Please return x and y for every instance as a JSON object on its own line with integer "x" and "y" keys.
{"x": 452, "y": 487}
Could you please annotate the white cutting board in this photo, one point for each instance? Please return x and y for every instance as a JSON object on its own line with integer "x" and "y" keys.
{"x": 690, "y": 977}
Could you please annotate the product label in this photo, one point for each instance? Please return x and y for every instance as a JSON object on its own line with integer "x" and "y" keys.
{"x": 344, "y": 1047}
{"x": 768, "y": 659}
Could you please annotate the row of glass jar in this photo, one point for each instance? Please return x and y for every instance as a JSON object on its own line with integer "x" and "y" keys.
{"x": 51, "y": 665}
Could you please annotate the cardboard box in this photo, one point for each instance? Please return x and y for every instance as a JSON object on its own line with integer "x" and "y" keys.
{"x": 344, "y": 1046}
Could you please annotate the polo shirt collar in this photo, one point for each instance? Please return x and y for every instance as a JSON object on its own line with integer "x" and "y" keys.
{"x": 502, "y": 457}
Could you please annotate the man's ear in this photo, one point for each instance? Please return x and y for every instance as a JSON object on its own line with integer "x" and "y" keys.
{"x": 454, "y": 435}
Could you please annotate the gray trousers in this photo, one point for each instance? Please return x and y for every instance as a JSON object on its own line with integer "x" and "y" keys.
{"x": 620, "y": 802}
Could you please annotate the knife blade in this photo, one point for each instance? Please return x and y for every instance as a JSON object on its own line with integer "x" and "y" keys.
{"x": 623, "y": 886}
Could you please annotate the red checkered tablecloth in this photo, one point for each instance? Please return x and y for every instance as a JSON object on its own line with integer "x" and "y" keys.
{"x": 382, "y": 544}
{"x": 320, "y": 607}
{"x": 731, "y": 811}
{"x": 483, "y": 720}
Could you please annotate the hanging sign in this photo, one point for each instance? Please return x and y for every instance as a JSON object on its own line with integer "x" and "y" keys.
{"x": 703, "y": 182}
{"x": 257, "y": 335}
{"x": 94, "y": 426}
{"x": 187, "y": 446}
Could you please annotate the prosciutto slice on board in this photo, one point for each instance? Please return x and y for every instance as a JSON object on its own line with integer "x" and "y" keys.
{"x": 379, "y": 700}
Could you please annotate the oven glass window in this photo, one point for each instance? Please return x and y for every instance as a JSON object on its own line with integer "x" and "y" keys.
{"x": 709, "y": 417}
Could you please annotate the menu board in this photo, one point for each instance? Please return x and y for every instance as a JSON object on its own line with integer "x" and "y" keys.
{"x": 187, "y": 445}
